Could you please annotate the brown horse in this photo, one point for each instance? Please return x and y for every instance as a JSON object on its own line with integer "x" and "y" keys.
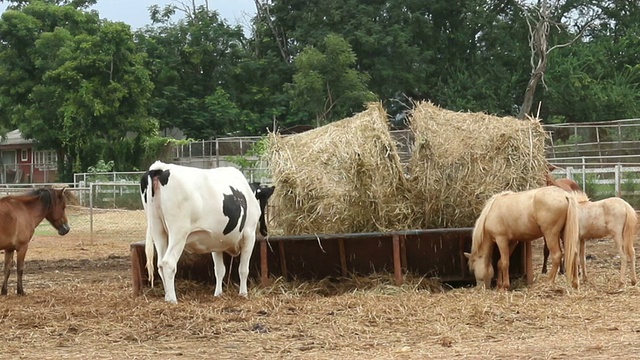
{"x": 563, "y": 183}
{"x": 510, "y": 217}
{"x": 610, "y": 218}
{"x": 19, "y": 216}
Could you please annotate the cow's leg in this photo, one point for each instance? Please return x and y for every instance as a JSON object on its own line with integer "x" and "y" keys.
{"x": 160, "y": 241}
{"x": 169, "y": 264}
{"x": 245, "y": 257}
{"x": 21, "y": 253}
{"x": 8, "y": 258}
{"x": 219, "y": 270}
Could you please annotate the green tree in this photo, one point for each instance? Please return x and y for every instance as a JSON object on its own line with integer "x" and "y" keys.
{"x": 326, "y": 84}
{"x": 192, "y": 63}
{"x": 73, "y": 82}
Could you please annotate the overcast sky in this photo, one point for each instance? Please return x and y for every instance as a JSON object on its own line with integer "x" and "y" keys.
{"x": 136, "y": 14}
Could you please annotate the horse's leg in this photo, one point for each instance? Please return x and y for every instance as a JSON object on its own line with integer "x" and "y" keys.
{"x": 583, "y": 260}
{"x": 631, "y": 254}
{"x": 503, "y": 263}
{"x": 545, "y": 253}
{"x": 8, "y": 258}
{"x": 556, "y": 255}
{"x": 219, "y": 269}
{"x": 20, "y": 266}
{"x": 623, "y": 258}
{"x": 561, "y": 246}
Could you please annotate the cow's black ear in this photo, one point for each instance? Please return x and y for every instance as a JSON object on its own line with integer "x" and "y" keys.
{"x": 266, "y": 192}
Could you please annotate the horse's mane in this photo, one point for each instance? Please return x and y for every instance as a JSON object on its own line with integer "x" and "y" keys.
{"x": 478, "y": 229}
{"x": 44, "y": 195}
{"x": 580, "y": 196}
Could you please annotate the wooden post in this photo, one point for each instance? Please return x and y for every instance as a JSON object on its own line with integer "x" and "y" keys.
{"x": 397, "y": 269}
{"x": 343, "y": 258}
{"x": 403, "y": 252}
{"x": 283, "y": 260}
{"x": 264, "y": 266}
{"x": 528, "y": 262}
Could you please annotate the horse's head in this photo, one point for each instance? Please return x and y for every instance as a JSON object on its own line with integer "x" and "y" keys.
{"x": 56, "y": 204}
{"x": 481, "y": 268}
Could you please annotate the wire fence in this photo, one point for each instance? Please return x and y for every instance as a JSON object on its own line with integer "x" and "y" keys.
{"x": 113, "y": 210}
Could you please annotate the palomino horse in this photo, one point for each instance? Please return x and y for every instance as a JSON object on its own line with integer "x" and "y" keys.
{"x": 608, "y": 218}
{"x": 563, "y": 183}
{"x": 19, "y": 216}
{"x": 510, "y": 217}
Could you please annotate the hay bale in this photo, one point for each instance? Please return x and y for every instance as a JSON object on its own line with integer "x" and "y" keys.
{"x": 461, "y": 159}
{"x": 344, "y": 177}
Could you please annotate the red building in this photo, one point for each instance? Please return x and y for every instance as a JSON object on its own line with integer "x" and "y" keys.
{"x": 23, "y": 162}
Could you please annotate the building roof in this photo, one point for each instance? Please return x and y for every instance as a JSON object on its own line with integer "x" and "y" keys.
{"x": 15, "y": 138}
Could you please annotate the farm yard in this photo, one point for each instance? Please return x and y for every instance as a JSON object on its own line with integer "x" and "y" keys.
{"x": 79, "y": 301}
{"x": 79, "y": 305}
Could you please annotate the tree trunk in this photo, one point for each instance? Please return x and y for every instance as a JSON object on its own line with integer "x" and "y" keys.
{"x": 530, "y": 92}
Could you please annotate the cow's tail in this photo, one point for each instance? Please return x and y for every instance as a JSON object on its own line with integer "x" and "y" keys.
{"x": 149, "y": 250}
{"x": 571, "y": 241}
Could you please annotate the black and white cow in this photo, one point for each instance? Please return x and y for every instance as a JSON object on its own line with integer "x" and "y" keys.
{"x": 198, "y": 211}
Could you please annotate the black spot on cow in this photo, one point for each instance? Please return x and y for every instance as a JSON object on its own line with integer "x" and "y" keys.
{"x": 162, "y": 175}
{"x": 144, "y": 183}
{"x": 233, "y": 206}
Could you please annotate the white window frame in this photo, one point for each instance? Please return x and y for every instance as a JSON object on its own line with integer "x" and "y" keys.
{"x": 24, "y": 154}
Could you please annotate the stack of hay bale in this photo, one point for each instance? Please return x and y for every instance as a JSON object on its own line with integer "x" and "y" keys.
{"x": 346, "y": 177}
{"x": 343, "y": 177}
{"x": 461, "y": 159}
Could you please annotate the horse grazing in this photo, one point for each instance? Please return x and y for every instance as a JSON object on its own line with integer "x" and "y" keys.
{"x": 510, "y": 217}
{"x": 19, "y": 216}
{"x": 608, "y": 218}
{"x": 563, "y": 183}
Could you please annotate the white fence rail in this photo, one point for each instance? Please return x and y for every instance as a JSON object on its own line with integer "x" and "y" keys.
{"x": 607, "y": 181}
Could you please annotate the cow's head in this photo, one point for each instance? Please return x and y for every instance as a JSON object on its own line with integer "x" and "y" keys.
{"x": 262, "y": 193}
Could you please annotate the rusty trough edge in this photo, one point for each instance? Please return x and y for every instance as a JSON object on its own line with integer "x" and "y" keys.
{"x": 398, "y": 241}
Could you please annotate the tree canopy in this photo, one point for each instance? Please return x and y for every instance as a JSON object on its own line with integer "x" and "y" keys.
{"x": 93, "y": 89}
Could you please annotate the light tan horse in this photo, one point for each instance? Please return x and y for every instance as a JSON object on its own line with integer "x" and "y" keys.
{"x": 510, "y": 217}
{"x": 611, "y": 218}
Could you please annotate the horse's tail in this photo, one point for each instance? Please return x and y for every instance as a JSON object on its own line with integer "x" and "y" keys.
{"x": 149, "y": 249}
{"x": 629, "y": 230}
{"x": 478, "y": 229}
{"x": 571, "y": 241}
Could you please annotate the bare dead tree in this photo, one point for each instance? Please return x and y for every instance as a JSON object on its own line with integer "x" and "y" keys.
{"x": 189, "y": 10}
{"x": 262, "y": 12}
{"x": 539, "y": 43}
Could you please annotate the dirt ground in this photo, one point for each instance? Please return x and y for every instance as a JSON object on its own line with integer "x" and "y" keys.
{"x": 79, "y": 305}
